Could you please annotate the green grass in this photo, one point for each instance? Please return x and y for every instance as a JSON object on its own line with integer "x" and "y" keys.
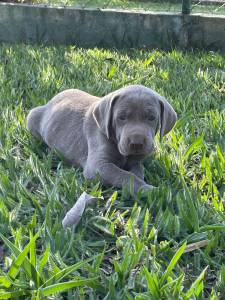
{"x": 124, "y": 247}
{"x": 155, "y": 5}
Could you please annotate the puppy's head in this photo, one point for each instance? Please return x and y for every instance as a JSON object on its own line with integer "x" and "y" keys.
{"x": 132, "y": 116}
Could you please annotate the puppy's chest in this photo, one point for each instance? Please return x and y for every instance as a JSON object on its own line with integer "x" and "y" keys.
{"x": 122, "y": 162}
{"x": 113, "y": 156}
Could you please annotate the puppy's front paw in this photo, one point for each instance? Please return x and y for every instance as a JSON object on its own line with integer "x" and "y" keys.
{"x": 147, "y": 187}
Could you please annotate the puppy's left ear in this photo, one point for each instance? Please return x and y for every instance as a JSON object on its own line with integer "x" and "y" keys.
{"x": 168, "y": 117}
{"x": 102, "y": 113}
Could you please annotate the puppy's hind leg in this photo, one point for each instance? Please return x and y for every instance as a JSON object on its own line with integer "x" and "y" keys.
{"x": 34, "y": 120}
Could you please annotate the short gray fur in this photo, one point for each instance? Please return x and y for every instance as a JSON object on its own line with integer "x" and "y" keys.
{"x": 108, "y": 136}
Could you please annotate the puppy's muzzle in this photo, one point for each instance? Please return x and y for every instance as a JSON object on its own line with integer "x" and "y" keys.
{"x": 137, "y": 143}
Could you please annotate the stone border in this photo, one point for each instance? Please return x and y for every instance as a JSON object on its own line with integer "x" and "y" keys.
{"x": 110, "y": 28}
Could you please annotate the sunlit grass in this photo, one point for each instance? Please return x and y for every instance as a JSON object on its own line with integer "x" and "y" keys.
{"x": 160, "y": 5}
{"x": 124, "y": 247}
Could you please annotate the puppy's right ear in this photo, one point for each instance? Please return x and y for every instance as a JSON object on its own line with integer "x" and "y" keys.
{"x": 102, "y": 113}
{"x": 168, "y": 117}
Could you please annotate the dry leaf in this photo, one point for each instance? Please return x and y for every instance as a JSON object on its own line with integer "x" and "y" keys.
{"x": 74, "y": 215}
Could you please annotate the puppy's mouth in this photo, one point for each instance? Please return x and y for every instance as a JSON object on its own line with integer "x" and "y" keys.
{"x": 126, "y": 151}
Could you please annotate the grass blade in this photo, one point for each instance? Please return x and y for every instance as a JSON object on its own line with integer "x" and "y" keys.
{"x": 32, "y": 250}
{"x": 212, "y": 227}
{"x": 9, "y": 295}
{"x": 19, "y": 260}
{"x": 59, "y": 287}
{"x": 5, "y": 281}
{"x": 172, "y": 263}
{"x": 44, "y": 259}
{"x": 29, "y": 268}
{"x": 152, "y": 284}
{"x": 194, "y": 147}
{"x": 195, "y": 284}
{"x": 61, "y": 274}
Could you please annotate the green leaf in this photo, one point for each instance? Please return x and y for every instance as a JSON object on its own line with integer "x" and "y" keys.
{"x": 198, "y": 143}
{"x": 222, "y": 275}
{"x": 63, "y": 273}
{"x": 19, "y": 260}
{"x": 173, "y": 282}
{"x": 145, "y": 224}
{"x": 112, "y": 72}
{"x": 153, "y": 284}
{"x": 5, "y": 281}
{"x": 172, "y": 263}
{"x": 110, "y": 203}
{"x": 44, "y": 259}
{"x": 32, "y": 250}
{"x": 59, "y": 287}
{"x": 212, "y": 227}
{"x": 149, "y": 60}
{"x": 193, "y": 214}
{"x": 183, "y": 121}
{"x": 103, "y": 229}
{"x": 220, "y": 153}
{"x": 195, "y": 285}
{"x": 29, "y": 268}
{"x": 9, "y": 295}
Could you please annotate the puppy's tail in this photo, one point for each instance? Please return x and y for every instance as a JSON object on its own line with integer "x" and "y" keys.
{"x": 34, "y": 120}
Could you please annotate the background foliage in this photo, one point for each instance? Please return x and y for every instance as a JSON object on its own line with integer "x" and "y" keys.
{"x": 202, "y": 6}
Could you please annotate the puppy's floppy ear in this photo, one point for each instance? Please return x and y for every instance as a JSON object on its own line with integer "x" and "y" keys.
{"x": 102, "y": 113}
{"x": 168, "y": 117}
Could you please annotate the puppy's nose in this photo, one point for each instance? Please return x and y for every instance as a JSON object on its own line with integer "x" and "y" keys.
{"x": 137, "y": 143}
{"x": 136, "y": 147}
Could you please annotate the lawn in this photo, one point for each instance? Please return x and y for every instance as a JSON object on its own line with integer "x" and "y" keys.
{"x": 125, "y": 247}
{"x": 137, "y": 5}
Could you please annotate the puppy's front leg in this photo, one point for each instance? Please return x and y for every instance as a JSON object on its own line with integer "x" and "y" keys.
{"x": 135, "y": 166}
{"x": 112, "y": 175}
{"x": 138, "y": 170}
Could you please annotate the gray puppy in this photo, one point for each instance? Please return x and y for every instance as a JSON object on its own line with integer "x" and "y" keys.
{"x": 110, "y": 136}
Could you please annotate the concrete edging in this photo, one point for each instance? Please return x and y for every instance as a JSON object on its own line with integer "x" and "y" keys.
{"x": 110, "y": 28}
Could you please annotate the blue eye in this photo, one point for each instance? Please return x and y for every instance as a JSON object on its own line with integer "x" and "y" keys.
{"x": 151, "y": 117}
{"x": 122, "y": 117}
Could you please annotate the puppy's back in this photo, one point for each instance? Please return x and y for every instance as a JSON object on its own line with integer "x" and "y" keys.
{"x": 60, "y": 123}
{"x": 77, "y": 98}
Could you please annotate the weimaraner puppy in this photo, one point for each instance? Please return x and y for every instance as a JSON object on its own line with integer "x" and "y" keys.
{"x": 109, "y": 136}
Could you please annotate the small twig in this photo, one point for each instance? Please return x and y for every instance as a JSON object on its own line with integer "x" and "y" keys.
{"x": 195, "y": 246}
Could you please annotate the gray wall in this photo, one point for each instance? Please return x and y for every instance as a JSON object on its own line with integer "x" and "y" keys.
{"x": 110, "y": 28}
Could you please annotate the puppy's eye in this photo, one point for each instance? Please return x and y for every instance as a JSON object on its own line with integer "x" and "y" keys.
{"x": 151, "y": 117}
{"x": 122, "y": 117}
